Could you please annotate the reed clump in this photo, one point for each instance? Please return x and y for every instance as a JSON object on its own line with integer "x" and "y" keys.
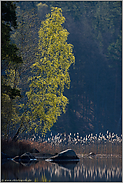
{"x": 109, "y": 143}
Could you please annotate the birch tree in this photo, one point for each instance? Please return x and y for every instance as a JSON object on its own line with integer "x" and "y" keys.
{"x": 46, "y": 100}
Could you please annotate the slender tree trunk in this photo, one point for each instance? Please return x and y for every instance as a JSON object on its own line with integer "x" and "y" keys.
{"x": 17, "y": 133}
{"x": 15, "y": 138}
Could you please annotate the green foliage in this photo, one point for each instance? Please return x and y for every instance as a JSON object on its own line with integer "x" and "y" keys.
{"x": 26, "y": 38}
{"x": 23, "y": 37}
{"x": 9, "y": 114}
{"x": 50, "y": 72}
{"x": 9, "y": 51}
{"x": 8, "y": 13}
{"x": 40, "y": 5}
{"x": 114, "y": 49}
{"x": 10, "y": 96}
{"x": 12, "y": 92}
{"x": 10, "y": 61}
{"x": 104, "y": 18}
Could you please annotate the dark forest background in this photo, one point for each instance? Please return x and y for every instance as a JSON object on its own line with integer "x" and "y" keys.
{"x": 95, "y": 94}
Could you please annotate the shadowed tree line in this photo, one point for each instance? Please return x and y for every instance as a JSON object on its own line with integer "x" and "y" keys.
{"x": 95, "y": 95}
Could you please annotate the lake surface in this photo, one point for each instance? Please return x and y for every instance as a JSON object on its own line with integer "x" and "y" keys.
{"x": 87, "y": 169}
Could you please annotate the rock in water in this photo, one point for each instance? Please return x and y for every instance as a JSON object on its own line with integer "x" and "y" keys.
{"x": 67, "y": 155}
{"x": 25, "y": 158}
{"x": 91, "y": 154}
{"x": 34, "y": 151}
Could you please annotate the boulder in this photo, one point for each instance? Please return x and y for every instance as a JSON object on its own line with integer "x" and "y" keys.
{"x": 34, "y": 151}
{"x": 67, "y": 155}
{"x": 25, "y": 158}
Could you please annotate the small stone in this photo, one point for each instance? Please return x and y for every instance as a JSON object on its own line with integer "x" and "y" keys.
{"x": 92, "y": 154}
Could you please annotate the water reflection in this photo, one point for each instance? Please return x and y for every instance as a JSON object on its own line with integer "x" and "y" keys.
{"x": 99, "y": 169}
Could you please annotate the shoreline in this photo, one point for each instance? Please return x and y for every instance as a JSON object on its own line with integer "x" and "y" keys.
{"x": 45, "y": 149}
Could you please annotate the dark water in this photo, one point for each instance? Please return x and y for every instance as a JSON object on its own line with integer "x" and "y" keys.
{"x": 96, "y": 169}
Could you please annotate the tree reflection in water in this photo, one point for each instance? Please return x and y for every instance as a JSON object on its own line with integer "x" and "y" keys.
{"x": 96, "y": 169}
